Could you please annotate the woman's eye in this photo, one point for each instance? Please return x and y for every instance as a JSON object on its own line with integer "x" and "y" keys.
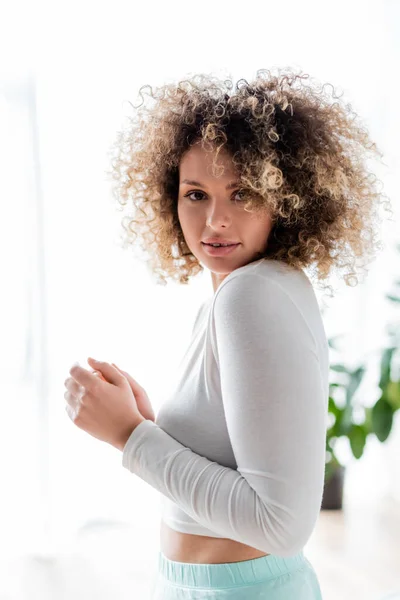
{"x": 243, "y": 194}
{"x": 201, "y": 193}
{"x": 190, "y": 194}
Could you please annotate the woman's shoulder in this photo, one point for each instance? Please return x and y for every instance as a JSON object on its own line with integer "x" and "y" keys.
{"x": 275, "y": 275}
{"x": 270, "y": 289}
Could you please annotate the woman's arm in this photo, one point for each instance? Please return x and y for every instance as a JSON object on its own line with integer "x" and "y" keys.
{"x": 275, "y": 408}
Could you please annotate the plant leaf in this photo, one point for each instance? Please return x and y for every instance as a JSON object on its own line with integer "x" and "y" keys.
{"x": 357, "y": 438}
{"x": 382, "y": 418}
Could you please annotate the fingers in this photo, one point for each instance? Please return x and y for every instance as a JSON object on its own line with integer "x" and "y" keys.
{"x": 121, "y": 371}
{"x": 70, "y": 412}
{"x": 73, "y": 401}
{"x": 99, "y": 375}
{"x": 76, "y": 387}
{"x": 84, "y": 377}
{"x": 72, "y": 386}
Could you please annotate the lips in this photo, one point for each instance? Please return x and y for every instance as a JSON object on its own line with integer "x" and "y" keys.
{"x": 221, "y": 244}
{"x": 219, "y": 250}
{"x": 218, "y": 240}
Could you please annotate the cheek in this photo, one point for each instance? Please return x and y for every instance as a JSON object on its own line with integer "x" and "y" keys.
{"x": 187, "y": 222}
{"x": 262, "y": 227}
{"x": 188, "y": 214}
{"x": 182, "y": 216}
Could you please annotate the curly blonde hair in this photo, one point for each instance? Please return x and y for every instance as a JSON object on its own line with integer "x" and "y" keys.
{"x": 297, "y": 155}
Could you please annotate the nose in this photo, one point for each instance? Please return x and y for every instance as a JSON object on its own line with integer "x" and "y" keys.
{"x": 219, "y": 214}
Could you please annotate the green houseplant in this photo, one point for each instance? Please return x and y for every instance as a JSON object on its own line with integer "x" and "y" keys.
{"x": 376, "y": 420}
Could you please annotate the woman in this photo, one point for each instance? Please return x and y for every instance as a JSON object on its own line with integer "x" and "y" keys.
{"x": 238, "y": 450}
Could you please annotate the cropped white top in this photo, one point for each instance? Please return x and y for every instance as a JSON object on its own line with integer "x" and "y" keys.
{"x": 238, "y": 449}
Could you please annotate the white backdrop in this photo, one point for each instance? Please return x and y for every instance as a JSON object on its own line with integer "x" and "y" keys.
{"x": 69, "y": 291}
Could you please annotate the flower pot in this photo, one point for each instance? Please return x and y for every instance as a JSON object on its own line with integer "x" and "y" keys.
{"x": 332, "y": 498}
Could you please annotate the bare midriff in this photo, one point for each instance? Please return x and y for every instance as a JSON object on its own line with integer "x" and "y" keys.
{"x": 189, "y": 548}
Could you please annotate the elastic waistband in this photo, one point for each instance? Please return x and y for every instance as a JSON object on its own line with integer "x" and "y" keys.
{"x": 225, "y": 575}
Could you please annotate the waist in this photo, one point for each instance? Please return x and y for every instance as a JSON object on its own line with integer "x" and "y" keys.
{"x": 190, "y": 548}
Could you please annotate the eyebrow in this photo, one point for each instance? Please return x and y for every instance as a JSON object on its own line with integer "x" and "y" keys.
{"x": 230, "y": 185}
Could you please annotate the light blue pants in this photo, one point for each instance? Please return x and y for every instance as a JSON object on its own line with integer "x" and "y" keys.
{"x": 265, "y": 578}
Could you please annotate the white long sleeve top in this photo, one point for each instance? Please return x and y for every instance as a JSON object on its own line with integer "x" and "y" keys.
{"x": 238, "y": 449}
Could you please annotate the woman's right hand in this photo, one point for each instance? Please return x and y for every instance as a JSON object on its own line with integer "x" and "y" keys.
{"x": 141, "y": 397}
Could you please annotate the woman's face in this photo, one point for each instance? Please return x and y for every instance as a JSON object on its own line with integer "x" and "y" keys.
{"x": 213, "y": 207}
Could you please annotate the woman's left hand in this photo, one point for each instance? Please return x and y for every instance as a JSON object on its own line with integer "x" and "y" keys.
{"x": 103, "y": 407}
